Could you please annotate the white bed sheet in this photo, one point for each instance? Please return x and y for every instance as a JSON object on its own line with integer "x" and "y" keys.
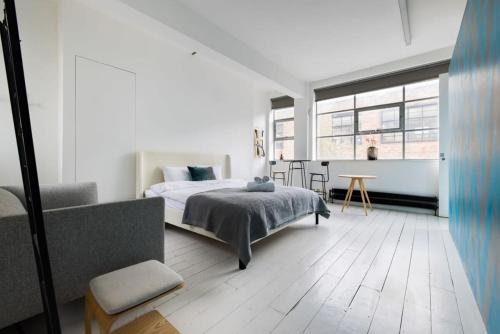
{"x": 176, "y": 193}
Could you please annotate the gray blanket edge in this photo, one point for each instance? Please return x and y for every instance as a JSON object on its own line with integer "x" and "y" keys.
{"x": 256, "y": 213}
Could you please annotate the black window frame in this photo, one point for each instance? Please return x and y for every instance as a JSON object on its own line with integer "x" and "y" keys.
{"x": 423, "y": 129}
{"x": 357, "y": 134}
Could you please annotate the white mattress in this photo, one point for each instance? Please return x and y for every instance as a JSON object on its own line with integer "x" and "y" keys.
{"x": 176, "y": 193}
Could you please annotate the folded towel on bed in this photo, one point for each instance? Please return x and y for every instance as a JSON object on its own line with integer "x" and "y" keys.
{"x": 261, "y": 185}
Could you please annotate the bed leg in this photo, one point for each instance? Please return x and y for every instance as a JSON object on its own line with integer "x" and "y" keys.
{"x": 242, "y": 265}
{"x": 317, "y": 218}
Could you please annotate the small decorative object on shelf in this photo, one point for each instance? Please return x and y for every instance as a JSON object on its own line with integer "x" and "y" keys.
{"x": 372, "y": 150}
{"x": 281, "y": 156}
{"x": 258, "y": 137}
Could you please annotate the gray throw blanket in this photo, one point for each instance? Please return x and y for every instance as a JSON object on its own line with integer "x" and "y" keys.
{"x": 240, "y": 217}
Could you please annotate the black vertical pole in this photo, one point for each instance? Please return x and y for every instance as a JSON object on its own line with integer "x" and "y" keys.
{"x": 20, "y": 114}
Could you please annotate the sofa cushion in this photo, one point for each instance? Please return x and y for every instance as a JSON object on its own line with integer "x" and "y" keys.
{"x": 62, "y": 195}
{"x": 201, "y": 173}
{"x": 125, "y": 288}
{"x": 10, "y": 205}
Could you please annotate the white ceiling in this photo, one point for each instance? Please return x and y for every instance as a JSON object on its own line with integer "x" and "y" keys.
{"x": 318, "y": 39}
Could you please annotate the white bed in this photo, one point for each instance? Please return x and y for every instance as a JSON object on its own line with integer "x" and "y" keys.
{"x": 175, "y": 193}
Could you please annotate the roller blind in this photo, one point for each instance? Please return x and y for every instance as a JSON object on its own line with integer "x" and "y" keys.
{"x": 415, "y": 74}
{"x": 281, "y": 102}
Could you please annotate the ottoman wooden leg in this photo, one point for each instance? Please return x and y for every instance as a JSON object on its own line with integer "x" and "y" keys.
{"x": 105, "y": 327}
{"x": 89, "y": 313}
{"x": 105, "y": 320}
{"x": 154, "y": 272}
{"x": 92, "y": 309}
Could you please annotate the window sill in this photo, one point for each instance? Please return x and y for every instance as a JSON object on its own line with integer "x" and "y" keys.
{"x": 371, "y": 161}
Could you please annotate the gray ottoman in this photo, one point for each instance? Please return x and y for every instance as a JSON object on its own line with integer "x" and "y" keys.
{"x": 116, "y": 293}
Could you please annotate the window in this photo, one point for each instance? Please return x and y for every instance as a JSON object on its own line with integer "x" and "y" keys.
{"x": 283, "y": 126}
{"x": 403, "y": 121}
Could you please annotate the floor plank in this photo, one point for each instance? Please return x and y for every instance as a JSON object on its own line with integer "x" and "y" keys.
{"x": 440, "y": 273}
{"x": 333, "y": 310}
{"x": 291, "y": 284}
{"x": 377, "y": 274}
{"x": 360, "y": 313}
{"x": 388, "y": 272}
{"x": 417, "y": 305}
{"x": 387, "y": 317}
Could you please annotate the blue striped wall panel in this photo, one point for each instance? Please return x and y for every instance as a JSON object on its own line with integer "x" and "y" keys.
{"x": 474, "y": 101}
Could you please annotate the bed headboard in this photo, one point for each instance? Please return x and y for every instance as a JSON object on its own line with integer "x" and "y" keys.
{"x": 148, "y": 171}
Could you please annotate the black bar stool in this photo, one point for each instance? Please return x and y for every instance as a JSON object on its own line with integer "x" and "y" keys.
{"x": 273, "y": 174}
{"x": 321, "y": 177}
{"x": 300, "y": 166}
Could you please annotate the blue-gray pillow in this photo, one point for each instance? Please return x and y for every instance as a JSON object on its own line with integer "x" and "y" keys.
{"x": 201, "y": 173}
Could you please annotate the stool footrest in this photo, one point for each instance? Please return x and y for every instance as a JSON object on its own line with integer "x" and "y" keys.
{"x": 150, "y": 323}
{"x": 112, "y": 295}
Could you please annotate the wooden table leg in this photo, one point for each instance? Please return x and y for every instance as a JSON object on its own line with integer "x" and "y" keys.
{"x": 348, "y": 195}
{"x": 366, "y": 194}
{"x": 360, "y": 182}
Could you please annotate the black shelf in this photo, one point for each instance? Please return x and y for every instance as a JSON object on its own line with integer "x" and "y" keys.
{"x": 423, "y": 202}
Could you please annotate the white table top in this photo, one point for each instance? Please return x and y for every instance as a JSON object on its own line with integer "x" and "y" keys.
{"x": 358, "y": 176}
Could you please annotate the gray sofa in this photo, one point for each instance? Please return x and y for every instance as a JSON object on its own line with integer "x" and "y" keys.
{"x": 85, "y": 239}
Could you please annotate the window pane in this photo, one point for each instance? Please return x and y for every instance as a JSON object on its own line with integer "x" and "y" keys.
{"x": 422, "y": 135}
{"x": 284, "y": 147}
{"x": 284, "y": 129}
{"x": 422, "y": 144}
{"x": 422, "y": 90}
{"x": 337, "y": 104}
{"x": 283, "y": 113}
{"x": 390, "y": 146}
{"x": 339, "y": 148}
{"x": 422, "y": 114}
{"x": 378, "y": 119}
{"x": 382, "y": 96}
{"x": 339, "y": 123}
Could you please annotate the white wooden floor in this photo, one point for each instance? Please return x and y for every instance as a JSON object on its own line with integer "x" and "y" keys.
{"x": 390, "y": 272}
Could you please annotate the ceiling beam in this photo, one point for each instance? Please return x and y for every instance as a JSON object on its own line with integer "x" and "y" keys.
{"x": 405, "y": 20}
{"x": 216, "y": 44}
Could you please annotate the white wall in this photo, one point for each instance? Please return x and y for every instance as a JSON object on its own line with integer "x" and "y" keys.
{"x": 183, "y": 103}
{"x": 105, "y": 128}
{"x": 398, "y": 65}
{"x": 301, "y": 135}
{"x": 397, "y": 176}
{"x": 38, "y": 31}
{"x": 220, "y": 44}
{"x": 444, "y": 147}
{"x": 412, "y": 177}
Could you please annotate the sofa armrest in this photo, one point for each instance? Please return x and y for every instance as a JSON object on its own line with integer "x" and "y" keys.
{"x": 61, "y": 195}
{"x": 84, "y": 242}
{"x": 88, "y": 241}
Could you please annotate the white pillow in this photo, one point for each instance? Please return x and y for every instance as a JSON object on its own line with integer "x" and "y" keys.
{"x": 217, "y": 172}
{"x": 176, "y": 174}
{"x": 217, "y": 169}
{"x": 158, "y": 188}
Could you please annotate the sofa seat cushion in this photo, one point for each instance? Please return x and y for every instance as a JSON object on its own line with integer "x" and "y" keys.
{"x": 125, "y": 288}
{"x": 10, "y": 205}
